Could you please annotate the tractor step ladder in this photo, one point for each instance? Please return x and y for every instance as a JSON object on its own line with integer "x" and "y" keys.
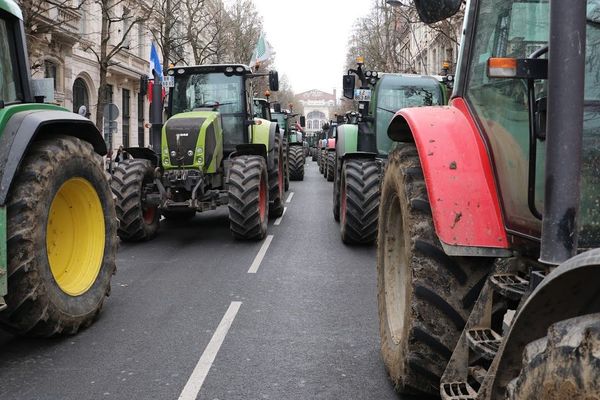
{"x": 458, "y": 391}
{"x": 484, "y": 342}
{"x": 511, "y": 286}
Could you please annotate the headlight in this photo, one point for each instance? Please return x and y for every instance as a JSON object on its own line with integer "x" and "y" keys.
{"x": 373, "y": 81}
{"x": 200, "y": 160}
{"x": 229, "y": 70}
{"x": 239, "y": 69}
{"x": 199, "y": 150}
{"x": 190, "y": 153}
{"x": 173, "y": 153}
{"x": 368, "y": 74}
{"x": 375, "y": 74}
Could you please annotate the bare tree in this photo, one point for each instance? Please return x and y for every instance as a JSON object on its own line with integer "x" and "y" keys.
{"x": 204, "y": 28}
{"x": 117, "y": 23}
{"x": 168, "y": 31}
{"x": 245, "y": 26}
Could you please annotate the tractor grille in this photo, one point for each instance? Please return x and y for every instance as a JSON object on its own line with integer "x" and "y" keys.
{"x": 182, "y": 136}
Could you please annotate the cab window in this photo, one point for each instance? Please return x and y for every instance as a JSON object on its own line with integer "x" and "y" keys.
{"x": 9, "y": 83}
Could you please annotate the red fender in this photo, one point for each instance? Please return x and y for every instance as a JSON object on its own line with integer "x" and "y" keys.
{"x": 459, "y": 178}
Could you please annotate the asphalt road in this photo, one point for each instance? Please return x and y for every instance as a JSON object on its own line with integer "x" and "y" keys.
{"x": 187, "y": 320}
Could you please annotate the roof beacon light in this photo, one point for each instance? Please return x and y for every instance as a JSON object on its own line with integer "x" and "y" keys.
{"x": 360, "y": 60}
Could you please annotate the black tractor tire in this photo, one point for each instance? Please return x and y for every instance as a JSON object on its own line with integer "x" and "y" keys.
{"x": 359, "y": 201}
{"x": 563, "y": 365}
{"x": 178, "y": 216}
{"x": 286, "y": 156}
{"x": 137, "y": 221}
{"x": 336, "y": 190}
{"x": 277, "y": 181}
{"x": 296, "y": 163}
{"x": 37, "y": 305}
{"x": 320, "y": 161}
{"x": 248, "y": 198}
{"x": 424, "y": 296}
{"x": 314, "y": 154}
{"x": 330, "y": 166}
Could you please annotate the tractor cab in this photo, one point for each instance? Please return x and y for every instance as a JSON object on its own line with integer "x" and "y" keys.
{"x": 14, "y": 77}
{"x": 396, "y": 91}
{"x": 262, "y": 109}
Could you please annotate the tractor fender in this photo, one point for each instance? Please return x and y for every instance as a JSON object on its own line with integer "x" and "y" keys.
{"x": 569, "y": 291}
{"x": 26, "y": 126}
{"x": 264, "y": 132}
{"x": 459, "y": 178}
{"x": 347, "y": 140}
{"x": 144, "y": 153}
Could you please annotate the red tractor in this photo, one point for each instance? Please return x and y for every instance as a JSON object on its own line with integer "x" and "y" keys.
{"x": 487, "y": 287}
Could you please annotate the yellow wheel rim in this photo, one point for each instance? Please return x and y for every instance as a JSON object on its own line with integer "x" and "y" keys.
{"x": 75, "y": 236}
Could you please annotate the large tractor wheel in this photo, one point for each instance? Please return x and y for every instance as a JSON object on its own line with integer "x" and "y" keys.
{"x": 336, "y": 191}
{"x": 296, "y": 163}
{"x": 248, "y": 198}
{"x": 359, "y": 201}
{"x": 138, "y": 221}
{"x": 61, "y": 237}
{"x": 424, "y": 296}
{"x": 314, "y": 154}
{"x": 563, "y": 365}
{"x": 277, "y": 182}
{"x": 330, "y": 166}
{"x": 286, "y": 156}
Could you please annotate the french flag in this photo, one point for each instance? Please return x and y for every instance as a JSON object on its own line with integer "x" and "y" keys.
{"x": 155, "y": 66}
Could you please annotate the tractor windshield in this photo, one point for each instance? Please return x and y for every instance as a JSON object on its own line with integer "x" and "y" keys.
{"x": 211, "y": 90}
{"x": 9, "y": 82}
{"x": 394, "y": 92}
{"x": 516, "y": 29}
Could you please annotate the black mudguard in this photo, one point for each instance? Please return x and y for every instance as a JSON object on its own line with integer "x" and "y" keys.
{"x": 144, "y": 153}
{"x": 26, "y": 126}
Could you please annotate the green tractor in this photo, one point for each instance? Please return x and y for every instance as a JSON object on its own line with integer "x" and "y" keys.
{"x": 326, "y": 155}
{"x": 57, "y": 221}
{"x": 293, "y": 139}
{"x": 213, "y": 152}
{"x": 362, "y": 145}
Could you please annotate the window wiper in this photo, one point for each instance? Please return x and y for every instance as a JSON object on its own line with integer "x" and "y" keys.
{"x": 388, "y": 110}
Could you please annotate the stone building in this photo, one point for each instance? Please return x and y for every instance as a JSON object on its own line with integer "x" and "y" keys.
{"x": 63, "y": 48}
{"x": 318, "y": 106}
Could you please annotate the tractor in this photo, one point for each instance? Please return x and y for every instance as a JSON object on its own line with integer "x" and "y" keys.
{"x": 489, "y": 224}
{"x": 213, "y": 152}
{"x": 326, "y": 158}
{"x": 294, "y": 141}
{"x": 58, "y": 239}
{"x": 362, "y": 145}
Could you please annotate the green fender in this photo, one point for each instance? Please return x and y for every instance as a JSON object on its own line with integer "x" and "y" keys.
{"x": 347, "y": 140}
{"x": 264, "y": 133}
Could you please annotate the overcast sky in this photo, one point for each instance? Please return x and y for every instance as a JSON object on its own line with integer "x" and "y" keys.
{"x": 310, "y": 38}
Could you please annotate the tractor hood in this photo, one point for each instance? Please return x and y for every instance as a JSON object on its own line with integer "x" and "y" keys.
{"x": 192, "y": 139}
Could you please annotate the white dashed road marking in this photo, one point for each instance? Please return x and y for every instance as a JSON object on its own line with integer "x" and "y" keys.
{"x": 289, "y": 199}
{"x": 194, "y": 384}
{"x": 261, "y": 254}
{"x": 278, "y": 220}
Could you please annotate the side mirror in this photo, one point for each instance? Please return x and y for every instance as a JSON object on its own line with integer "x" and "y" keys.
{"x": 277, "y": 107}
{"x": 274, "y": 81}
{"x": 431, "y": 11}
{"x": 303, "y": 121}
{"x": 349, "y": 82}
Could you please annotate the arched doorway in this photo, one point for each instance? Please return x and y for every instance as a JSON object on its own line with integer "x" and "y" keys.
{"x": 81, "y": 96}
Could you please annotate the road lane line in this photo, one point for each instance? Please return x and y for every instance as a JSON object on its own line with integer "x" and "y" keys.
{"x": 278, "y": 220}
{"x": 289, "y": 199}
{"x": 261, "y": 254}
{"x": 194, "y": 384}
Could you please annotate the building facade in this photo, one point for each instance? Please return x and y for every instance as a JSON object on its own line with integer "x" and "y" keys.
{"x": 318, "y": 106}
{"x": 64, "y": 46}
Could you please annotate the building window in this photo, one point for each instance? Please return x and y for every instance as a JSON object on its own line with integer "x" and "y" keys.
{"x": 51, "y": 71}
{"x": 126, "y": 116}
{"x": 81, "y": 95}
